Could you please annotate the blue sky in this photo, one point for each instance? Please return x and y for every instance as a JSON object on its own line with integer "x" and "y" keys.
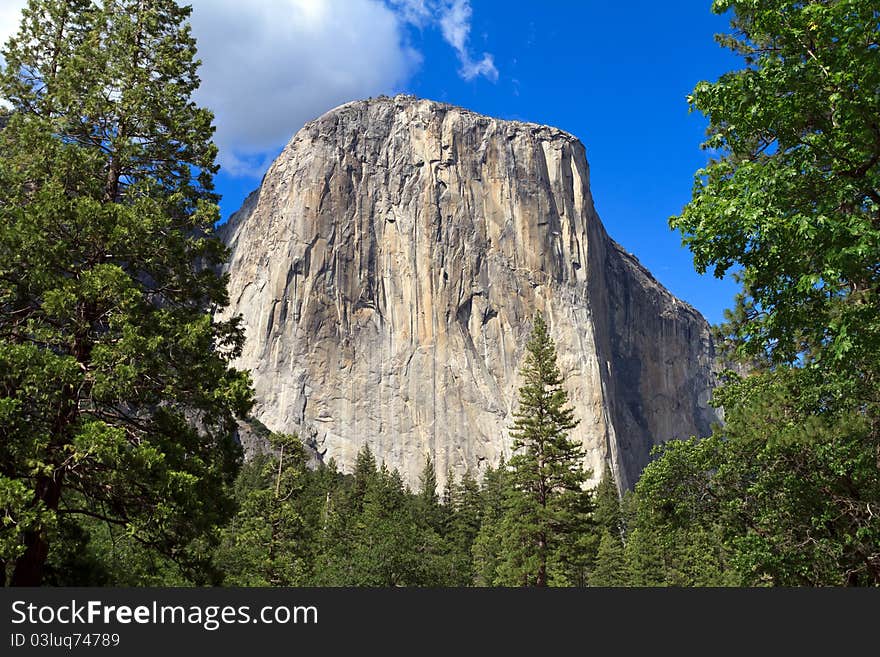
{"x": 614, "y": 74}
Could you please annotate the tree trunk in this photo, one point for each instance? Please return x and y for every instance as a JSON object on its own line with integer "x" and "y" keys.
{"x": 30, "y": 565}
{"x": 112, "y": 187}
{"x": 542, "y": 564}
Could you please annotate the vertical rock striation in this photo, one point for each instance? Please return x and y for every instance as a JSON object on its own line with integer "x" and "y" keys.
{"x": 388, "y": 269}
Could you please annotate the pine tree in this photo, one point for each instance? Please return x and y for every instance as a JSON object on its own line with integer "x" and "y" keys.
{"x": 365, "y": 470}
{"x": 429, "y": 507}
{"x": 341, "y": 521}
{"x": 608, "y": 514}
{"x": 268, "y": 541}
{"x": 611, "y": 567}
{"x": 371, "y": 533}
{"x": 384, "y": 550}
{"x": 464, "y": 526}
{"x": 608, "y": 519}
{"x": 450, "y": 490}
{"x": 547, "y": 510}
{"x": 487, "y": 547}
{"x": 117, "y": 399}
{"x": 430, "y": 520}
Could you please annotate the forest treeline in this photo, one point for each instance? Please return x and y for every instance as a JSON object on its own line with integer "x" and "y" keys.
{"x": 528, "y": 521}
{"x": 119, "y": 399}
{"x": 301, "y": 526}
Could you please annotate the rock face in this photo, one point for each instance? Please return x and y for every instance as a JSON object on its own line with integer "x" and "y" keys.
{"x": 388, "y": 270}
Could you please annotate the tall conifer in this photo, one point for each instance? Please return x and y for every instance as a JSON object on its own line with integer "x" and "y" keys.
{"x": 116, "y": 394}
{"x": 547, "y": 510}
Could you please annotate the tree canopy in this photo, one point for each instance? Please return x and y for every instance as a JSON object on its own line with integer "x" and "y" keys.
{"x": 791, "y": 203}
{"x": 117, "y": 398}
{"x": 791, "y": 200}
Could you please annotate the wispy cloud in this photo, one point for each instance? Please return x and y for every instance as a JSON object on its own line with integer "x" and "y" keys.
{"x": 453, "y": 17}
{"x": 455, "y": 23}
{"x": 417, "y": 12}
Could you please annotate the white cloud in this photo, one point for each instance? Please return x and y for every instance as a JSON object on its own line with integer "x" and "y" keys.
{"x": 456, "y": 24}
{"x": 486, "y": 67}
{"x": 417, "y": 12}
{"x": 270, "y": 66}
{"x": 454, "y": 20}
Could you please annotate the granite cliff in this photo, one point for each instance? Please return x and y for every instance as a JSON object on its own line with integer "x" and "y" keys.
{"x": 388, "y": 269}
